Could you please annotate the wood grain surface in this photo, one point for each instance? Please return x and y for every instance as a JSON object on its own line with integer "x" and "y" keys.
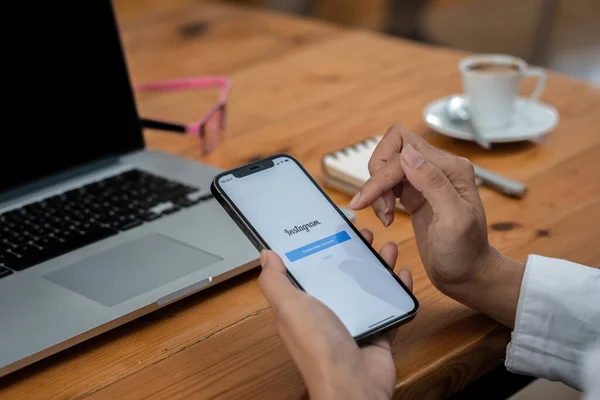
{"x": 306, "y": 88}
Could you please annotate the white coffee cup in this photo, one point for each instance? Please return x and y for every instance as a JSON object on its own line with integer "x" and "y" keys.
{"x": 491, "y": 84}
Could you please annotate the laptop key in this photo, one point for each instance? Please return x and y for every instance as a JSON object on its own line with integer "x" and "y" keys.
{"x": 173, "y": 193}
{"x": 10, "y": 259}
{"x": 3, "y": 258}
{"x": 172, "y": 209}
{"x": 8, "y": 243}
{"x": 185, "y": 202}
{"x": 130, "y": 224}
{"x": 4, "y": 272}
{"x": 148, "y": 215}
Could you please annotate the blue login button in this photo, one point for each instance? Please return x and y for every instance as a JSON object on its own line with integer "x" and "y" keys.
{"x": 317, "y": 246}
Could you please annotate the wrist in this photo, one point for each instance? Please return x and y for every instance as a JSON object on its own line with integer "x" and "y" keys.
{"x": 485, "y": 265}
{"x": 344, "y": 385}
{"x": 495, "y": 290}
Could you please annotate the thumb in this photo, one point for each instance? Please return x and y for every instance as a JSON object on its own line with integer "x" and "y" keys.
{"x": 428, "y": 179}
{"x": 273, "y": 281}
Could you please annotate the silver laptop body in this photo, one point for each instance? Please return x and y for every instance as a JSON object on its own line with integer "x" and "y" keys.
{"x": 146, "y": 263}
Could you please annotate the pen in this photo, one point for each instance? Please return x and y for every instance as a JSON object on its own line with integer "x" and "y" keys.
{"x": 500, "y": 183}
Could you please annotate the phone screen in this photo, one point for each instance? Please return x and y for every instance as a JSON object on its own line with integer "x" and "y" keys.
{"x": 322, "y": 252}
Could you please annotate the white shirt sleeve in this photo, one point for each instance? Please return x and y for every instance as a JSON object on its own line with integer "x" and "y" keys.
{"x": 591, "y": 371}
{"x": 557, "y": 326}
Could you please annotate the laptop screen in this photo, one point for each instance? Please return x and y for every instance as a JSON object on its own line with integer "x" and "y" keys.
{"x": 68, "y": 90}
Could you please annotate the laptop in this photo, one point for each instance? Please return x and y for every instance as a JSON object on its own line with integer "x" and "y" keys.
{"x": 95, "y": 229}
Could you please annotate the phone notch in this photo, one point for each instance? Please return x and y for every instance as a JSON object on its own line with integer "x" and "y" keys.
{"x": 253, "y": 168}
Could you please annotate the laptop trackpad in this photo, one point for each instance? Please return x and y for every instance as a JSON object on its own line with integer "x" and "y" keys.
{"x": 131, "y": 269}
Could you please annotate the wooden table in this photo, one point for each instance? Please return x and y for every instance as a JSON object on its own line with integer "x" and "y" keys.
{"x": 306, "y": 88}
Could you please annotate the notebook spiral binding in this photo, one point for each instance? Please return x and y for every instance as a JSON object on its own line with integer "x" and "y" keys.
{"x": 355, "y": 146}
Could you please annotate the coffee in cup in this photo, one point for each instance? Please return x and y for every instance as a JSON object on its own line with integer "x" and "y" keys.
{"x": 490, "y": 67}
{"x": 491, "y": 84}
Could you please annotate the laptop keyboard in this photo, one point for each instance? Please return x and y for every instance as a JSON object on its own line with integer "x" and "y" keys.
{"x": 56, "y": 225}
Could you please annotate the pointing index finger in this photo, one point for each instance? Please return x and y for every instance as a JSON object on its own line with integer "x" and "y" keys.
{"x": 380, "y": 182}
{"x": 384, "y": 165}
{"x": 390, "y": 144}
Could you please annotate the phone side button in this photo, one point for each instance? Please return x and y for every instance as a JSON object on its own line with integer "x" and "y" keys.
{"x": 242, "y": 227}
{"x": 254, "y": 242}
{"x": 238, "y": 222}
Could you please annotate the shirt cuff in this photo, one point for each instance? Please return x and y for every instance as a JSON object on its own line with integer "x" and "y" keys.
{"x": 557, "y": 320}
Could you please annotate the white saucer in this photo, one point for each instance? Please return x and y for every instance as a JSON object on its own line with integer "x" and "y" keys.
{"x": 531, "y": 121}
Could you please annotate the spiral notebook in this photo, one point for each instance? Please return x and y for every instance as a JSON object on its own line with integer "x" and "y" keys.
{"x": 347, "y": 169}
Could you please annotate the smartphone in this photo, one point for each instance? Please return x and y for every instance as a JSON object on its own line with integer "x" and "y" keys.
{"x": 279, "y": 206}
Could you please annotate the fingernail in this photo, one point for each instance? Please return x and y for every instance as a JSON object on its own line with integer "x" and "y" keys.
{"x": 354, "y": 201}
{"x": 381, "y": 205}
{"x": 263, "y": 257}
{"x": 412, "y": 157}
{"x": 385, "y": 220}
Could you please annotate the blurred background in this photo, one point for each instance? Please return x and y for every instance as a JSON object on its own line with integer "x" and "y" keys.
{"x": 562, "y": 35}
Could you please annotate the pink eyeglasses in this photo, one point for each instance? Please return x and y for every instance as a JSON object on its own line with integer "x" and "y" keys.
{"x": 212, "y": 123}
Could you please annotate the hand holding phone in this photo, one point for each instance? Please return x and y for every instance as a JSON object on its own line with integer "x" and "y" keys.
{"x": 280, "y": 207}
{"x": 331, "y": 362}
